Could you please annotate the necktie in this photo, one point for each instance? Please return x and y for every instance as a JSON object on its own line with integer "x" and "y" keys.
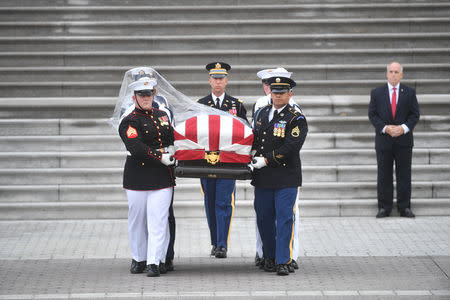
{"x": 275, "y": 114}
{"x": 394, "y": 103}
{"x": 218, "y": 103}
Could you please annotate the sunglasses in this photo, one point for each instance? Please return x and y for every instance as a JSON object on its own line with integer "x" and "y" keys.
{"x": 145, "y": 93}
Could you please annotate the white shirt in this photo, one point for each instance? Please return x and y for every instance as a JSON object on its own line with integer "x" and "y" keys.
{"x": 220, "y": 98}
{"x": 272, "y": 111}
{"x": 397, "y": 91}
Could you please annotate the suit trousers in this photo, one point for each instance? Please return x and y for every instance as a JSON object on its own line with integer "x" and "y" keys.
{"x": 295, "y": 244}
{"x": 275, "y": 211}
{"x": 148, "y": 224}
{"x": 219, "y": 195}
{"x": 402, "y": 156}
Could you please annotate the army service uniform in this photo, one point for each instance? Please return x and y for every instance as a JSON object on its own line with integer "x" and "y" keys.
{"x": 219, "y": 194}
{"x": 276, "y": 185}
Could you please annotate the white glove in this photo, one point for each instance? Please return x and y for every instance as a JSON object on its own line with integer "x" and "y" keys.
{"x": 171, "y": 150}
{"x": 258, "y": 162}
{"x": 167, "y": 159}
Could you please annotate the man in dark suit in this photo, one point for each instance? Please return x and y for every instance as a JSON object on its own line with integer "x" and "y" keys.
{"x": 394, "y": 112}
{"x": 219, "y": 194}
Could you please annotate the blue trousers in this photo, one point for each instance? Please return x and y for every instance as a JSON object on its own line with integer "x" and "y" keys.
{"x": 219, "y": 197}
{"x": 275, "y": 212}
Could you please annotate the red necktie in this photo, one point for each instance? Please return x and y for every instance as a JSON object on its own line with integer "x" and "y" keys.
{"x": 394, "y": 103}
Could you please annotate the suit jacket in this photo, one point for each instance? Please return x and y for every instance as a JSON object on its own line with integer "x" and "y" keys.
{"x": 280, "y": 141}
{"x": 230, "y": 104}
{"x": 380, "y": 115}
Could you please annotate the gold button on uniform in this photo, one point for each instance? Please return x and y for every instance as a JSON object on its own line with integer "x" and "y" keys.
{"x": 143, "y": 164}
{"x": 146, "y": 131}
{"x": 264, "y": 132}
{"x": 262, "y": 140}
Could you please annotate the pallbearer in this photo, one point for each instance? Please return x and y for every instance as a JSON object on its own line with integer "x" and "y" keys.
{"x": 280, "y": 132}
{"x": 219, "y": 194}
{"x": 148, "y": 178}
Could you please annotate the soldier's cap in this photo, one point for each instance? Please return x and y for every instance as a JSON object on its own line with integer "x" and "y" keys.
{"x": 218, "y": 69}
{"x": 281, "y": 84}
{"x": 278, "y": 72}
{"x": 141, "y": 72}
{"x": 144, "y": 83}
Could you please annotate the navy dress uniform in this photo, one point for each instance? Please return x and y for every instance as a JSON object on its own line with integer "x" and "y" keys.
{"x": 277, "y": 176}
{"x": 219, "y": 194}
{"x": 148, "y": 180}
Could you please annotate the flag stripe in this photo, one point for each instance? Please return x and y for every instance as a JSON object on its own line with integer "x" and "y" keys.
{"x": 214, "y": 132}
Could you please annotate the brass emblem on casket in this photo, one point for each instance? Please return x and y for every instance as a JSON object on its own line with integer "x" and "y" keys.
{"x": 212, "y": 157}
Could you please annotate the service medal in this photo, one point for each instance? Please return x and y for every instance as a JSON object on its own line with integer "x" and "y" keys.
{"x": 163, "y": 121}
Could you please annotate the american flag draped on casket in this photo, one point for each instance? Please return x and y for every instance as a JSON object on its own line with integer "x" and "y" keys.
{"x": 213, "y": 146}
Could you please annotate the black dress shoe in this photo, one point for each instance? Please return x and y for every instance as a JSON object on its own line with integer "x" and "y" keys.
{"x": 169, "y": 265}
{"x": 290, "y": 268}
{"x": 282, "y": 270}
{"x": 153, "y": 271}
{"x": 407, "y": 213}
{"x": 269, "y": 265}
{"x": 294, "y": 264}
{"x": 162, "y": 268}
{"x": 221, "y": 252}
{"x": 382, "y": 213}
{"x": 257, "y": 260}
{"x": 262, "y": 263}
{"x": 137, "y": 266}
{"x": 213, "y": 251}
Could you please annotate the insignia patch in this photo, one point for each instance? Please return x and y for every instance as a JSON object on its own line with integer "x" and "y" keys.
{"x": 295, "y": 132}
{"x": 218, "y": 66}
{"x": 278, "y": 80}
{"x": 131, "y": 132}
{"x": 279, "y": 156}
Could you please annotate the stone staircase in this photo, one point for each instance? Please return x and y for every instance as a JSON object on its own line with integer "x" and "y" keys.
{"x": 61, "y": 64}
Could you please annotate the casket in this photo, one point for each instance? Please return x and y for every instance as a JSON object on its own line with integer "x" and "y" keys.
{"x": 213, "y": 146}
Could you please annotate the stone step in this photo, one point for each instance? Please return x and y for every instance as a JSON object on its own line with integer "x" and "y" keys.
{"x": 189, "y": 191}
{"x": 112, "y": 142}
{"x": 65, "y": 3}
{"x": 235, "y": 57}
{"x": 116, "y": 159}
{"x": 81, "y": 176}
{"x": 186, "y": 209}
{"x": 228, "y": 26}
{"x": 244, "y": 88}
{"x": 238, "y": 73}
{"x": 214, "y": 12}
{"x": 102, "y": 107}
{"x": 226, "y": 41}
{"x": 322, "y": 124}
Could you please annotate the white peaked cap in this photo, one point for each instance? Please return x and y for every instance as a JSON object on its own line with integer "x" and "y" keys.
{"x": 144, "y": 83}
{"x": 278, "y": 72}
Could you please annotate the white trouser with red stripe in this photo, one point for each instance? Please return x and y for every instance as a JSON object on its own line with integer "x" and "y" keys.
{"x": 295, "y": 244}
{"x": 148, "y": 224}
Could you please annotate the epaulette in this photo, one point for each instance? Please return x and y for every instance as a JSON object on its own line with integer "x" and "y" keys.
{"x": 239, "y": 100}
{"x": 296, "y": 114}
